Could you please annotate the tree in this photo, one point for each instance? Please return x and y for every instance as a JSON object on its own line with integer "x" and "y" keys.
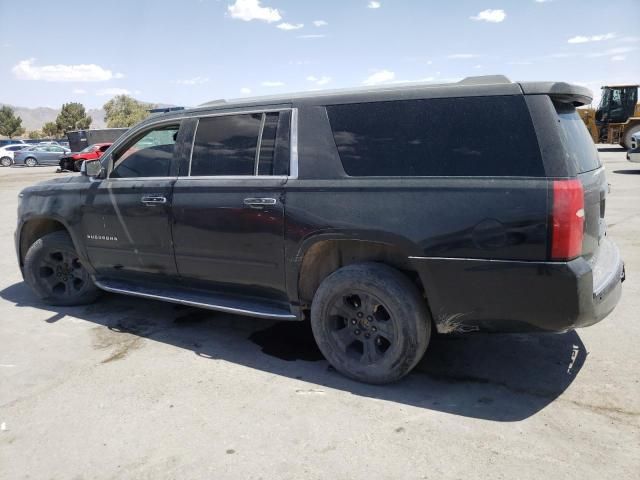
{"x": 72, "y": 117}
{"x": 35, "y": 134}
{"x": 125, "y": 111}
{"x": 50, "y": 130}
{"x": 10, "y": 124}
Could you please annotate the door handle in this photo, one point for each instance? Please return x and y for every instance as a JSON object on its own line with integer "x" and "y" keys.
{"x": 153, "y": 200}
{"x": 259, "y": 202}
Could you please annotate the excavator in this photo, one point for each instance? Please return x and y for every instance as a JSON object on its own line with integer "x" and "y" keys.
{"x": 617, "y": 117}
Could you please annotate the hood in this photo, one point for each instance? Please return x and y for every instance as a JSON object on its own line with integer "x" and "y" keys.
{"x": 47, "y": 184}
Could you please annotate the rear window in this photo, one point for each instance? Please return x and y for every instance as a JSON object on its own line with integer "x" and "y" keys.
{"x": 472, "y": 136}
{"x": 579, "y": 146}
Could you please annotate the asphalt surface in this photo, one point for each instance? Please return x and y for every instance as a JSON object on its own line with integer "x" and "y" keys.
{"x": 128, "y": 388}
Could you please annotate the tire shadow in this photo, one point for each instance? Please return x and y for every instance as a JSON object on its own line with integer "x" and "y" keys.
{"x": 627, "y": 172}
{"x": 499, "y": 377}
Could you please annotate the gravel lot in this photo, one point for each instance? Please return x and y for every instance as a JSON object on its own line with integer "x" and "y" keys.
{"x": 128, "y": 388}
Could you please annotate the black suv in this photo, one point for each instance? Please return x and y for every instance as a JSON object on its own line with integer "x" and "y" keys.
{"x": 379, "y": 214}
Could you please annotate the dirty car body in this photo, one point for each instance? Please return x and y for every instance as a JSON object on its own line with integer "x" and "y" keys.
{"x": 465, "y": 190}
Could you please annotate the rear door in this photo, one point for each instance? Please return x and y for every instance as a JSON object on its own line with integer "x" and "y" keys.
{"x": 583, "y": 154}
{"x": 228, "y": 205}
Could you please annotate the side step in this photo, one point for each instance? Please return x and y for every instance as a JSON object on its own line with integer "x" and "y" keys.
{"x": 194, "y": 298}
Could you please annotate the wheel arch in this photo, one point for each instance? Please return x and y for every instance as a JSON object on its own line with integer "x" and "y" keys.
{"x": 324, "y": 253}
{"x": 37, "y": 227}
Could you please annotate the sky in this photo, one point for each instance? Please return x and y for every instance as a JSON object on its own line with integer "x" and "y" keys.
{"x": 187, "y": 52}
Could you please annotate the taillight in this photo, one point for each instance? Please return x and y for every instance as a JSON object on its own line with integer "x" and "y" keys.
{"x": 567, "y": 219}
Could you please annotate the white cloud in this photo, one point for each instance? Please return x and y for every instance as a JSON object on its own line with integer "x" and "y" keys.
{"x": 628, "y": 39}
{"x": 245, "y": 91}
{"x": 463, "y": 56}
{"x": 290, "y": 26}
{"x": 312, "y": 36}
{"x": 618, "y": 58}
{"x": 115, "y": 91}
{"x": 381, "y": 76}
{"x": 193, "y": 81}
{"x": 592, "y": 38}
{"x": 543, "y": 1}
{"x": 489, "y": 15}
{"x": 611, "y": 51}
{"x": 248, "y": 10}
{"x": 319, "y": 80}
{"x": 320, "y": 23}
{"x": 28, "y": 70}
{"x": 374, "y": 5}
{"x": 79, "y": 91}
{"x": 273, "y": 84}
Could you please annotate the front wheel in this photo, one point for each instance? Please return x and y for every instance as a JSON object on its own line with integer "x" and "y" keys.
{"x": 6, "y": 161}
{"x": 54, "y": 271}
{"x": 31, "y": 162}
{"x": 370, "y": 322}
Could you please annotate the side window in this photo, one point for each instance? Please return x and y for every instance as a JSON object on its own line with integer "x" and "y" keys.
{"x": 150, "y": 155}
{"x": 104, "y": 148}
{"x": 472, "y": 136}
{"x": 228, "y": 145}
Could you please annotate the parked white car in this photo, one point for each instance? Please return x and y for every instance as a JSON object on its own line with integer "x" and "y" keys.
{"x": 7, "y": 153}
{"x": 633, "y": 155}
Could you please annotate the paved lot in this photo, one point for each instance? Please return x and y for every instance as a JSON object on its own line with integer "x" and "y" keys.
{"x": 128, "y": 388}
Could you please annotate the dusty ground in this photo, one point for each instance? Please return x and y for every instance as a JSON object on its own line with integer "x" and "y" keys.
{"x": 128, "y": 388}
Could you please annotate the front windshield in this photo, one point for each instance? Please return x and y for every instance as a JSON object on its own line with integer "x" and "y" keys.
{"x": 90, "y": 148}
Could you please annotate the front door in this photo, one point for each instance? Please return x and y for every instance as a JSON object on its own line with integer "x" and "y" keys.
{"x": 126, "y": 217}
{"x": 228, "y": 207}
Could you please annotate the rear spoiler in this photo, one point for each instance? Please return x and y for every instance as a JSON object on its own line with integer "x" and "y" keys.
{"x": 559, "y": 92}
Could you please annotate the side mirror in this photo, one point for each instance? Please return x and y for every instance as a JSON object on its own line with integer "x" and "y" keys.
{"x": 91, "y": 168}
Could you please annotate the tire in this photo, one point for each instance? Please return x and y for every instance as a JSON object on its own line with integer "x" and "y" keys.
{"x": 370, "y": 322}
{"x": 77, "y": 165}
{"x": 6, "y": 161}
{"x": 56, "y": 275}
{"x": 626, "y": 142}
{"x": 30, "y": 162}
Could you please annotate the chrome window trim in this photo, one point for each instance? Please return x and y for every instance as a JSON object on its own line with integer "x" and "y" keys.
{"x": 256, "y": 160}
{"x": 293, "y": 148}
{"x": 193, "y": 144}
{"x": 135, "y": 179}
{"x": 235, "y": 177}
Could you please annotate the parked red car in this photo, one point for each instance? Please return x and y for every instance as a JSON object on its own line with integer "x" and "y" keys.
{"x": 74, "y": 161}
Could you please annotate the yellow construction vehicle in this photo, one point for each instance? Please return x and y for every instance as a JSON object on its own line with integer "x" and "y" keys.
{"x": 617, "y": 117}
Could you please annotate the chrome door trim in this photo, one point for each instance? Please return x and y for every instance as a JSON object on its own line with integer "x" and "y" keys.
{"x": 256, "y": 159}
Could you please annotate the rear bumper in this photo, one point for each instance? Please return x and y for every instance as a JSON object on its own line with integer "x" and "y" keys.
{"x": 512, "y": 296}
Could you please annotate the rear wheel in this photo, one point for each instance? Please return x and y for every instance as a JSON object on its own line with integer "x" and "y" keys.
{"x": 30, "y": 162}
{"x": 626, "y": 142}
{"x": 370, "y": 322}
{"x": 54, "y": 271}
{"x": 6, "y": 161}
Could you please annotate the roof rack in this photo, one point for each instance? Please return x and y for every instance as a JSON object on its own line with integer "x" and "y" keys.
{"x": 484, "y": 80}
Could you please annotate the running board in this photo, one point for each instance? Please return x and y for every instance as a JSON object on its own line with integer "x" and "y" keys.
{"x": 210, "y": 301}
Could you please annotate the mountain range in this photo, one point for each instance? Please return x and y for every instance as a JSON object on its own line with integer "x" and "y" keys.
{"x": 34, "y": 118}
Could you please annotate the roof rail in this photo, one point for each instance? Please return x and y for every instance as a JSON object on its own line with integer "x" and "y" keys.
{"x": 220, "y": 101}
{"x": 484, "y": 80}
